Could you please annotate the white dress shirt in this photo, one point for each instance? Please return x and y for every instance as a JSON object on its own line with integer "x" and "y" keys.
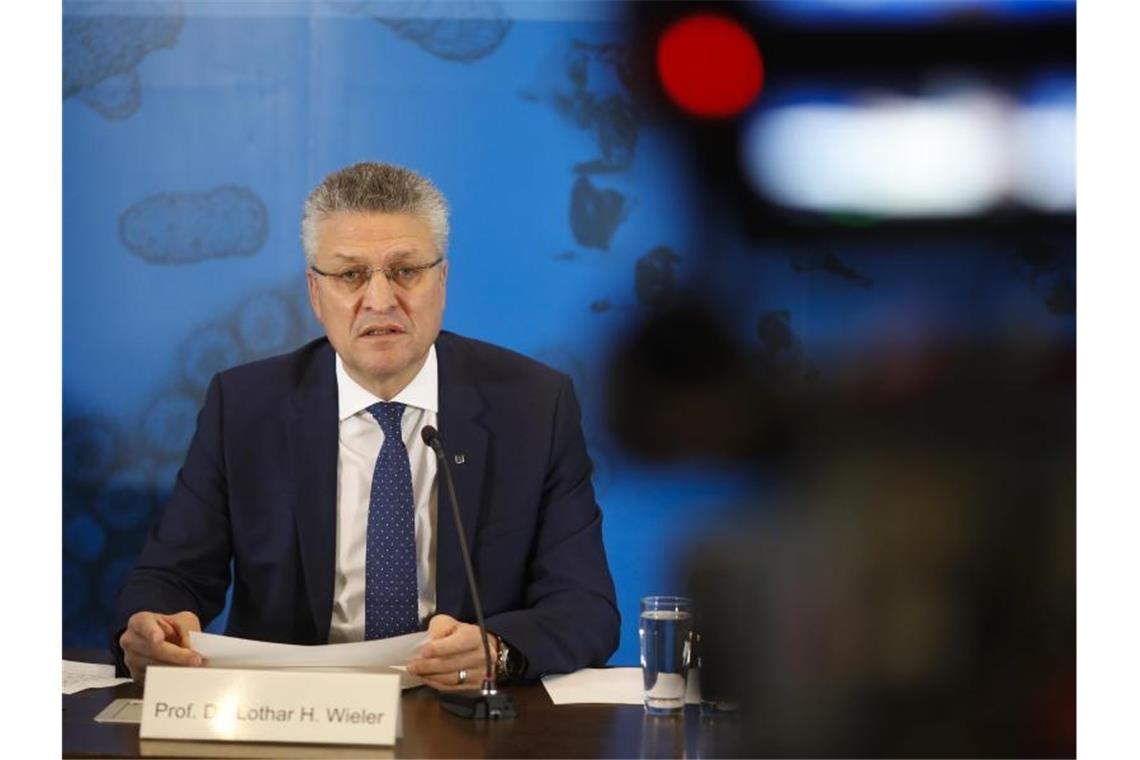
{"x": 360, "y": 438}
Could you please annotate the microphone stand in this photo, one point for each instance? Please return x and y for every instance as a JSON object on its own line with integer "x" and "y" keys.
{"x": 486, "y": 702}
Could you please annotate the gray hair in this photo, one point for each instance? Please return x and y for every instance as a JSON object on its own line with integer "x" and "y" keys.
{"x": 382, "y": 188}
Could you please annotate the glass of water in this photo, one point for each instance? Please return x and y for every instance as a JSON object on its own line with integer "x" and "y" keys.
{"x": 665, "y": 629}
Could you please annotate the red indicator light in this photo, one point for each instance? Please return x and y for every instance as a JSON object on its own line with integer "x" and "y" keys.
{"x": 710, "y": 65}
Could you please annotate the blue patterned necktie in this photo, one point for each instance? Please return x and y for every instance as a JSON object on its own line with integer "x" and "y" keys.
{"x": 391, "y": 598}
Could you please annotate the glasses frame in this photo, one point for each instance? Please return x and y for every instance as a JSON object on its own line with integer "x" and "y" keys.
{"x": 387, "y": 271}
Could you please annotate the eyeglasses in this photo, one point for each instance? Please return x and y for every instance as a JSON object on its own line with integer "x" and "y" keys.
{"x": 404, "y": 277}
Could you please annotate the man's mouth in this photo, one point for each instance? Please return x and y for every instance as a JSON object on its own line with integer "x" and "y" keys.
{"x": 380, "y": 331}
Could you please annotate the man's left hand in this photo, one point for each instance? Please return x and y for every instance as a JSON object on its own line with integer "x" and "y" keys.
{"x": 454, "y": 646}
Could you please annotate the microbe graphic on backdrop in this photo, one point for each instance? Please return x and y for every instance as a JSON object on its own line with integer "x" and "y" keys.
{"x": 181, "y": 228}
{"x": 595, "y": 214}
{"x": 265, "y": 323}
{"x": 103, "y": 44}
{"x": 455, "y": 31}
{"x": 115, "y": 97}
{"x": 589, "y": 85}
{"x": 168, "y": 424}
{"x": 207, "y": 351}
{"x": 116, "y": 475}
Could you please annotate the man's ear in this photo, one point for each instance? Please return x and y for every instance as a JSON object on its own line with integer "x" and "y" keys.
{"x": 314, "y": 294}
{"x": 443, "y": 280}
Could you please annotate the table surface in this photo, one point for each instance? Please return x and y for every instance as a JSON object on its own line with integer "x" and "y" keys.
{"x": 542, "y": 729}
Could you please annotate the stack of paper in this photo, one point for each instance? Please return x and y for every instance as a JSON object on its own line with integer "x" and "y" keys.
{"x": 383, "y": 655}
{"x": 78, "y": 676}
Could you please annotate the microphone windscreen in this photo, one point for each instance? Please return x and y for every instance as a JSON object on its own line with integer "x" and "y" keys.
{"x": 430, "y": 435}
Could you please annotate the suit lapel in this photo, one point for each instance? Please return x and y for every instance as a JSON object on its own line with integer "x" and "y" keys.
{"x": 465, "y": 441}
{"x": 313, "y": 441}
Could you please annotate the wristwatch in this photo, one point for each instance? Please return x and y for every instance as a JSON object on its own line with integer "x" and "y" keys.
{"x": 508, "y": 662}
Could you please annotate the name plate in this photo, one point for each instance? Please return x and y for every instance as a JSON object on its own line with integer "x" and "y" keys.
{"x": 214, "y": 704}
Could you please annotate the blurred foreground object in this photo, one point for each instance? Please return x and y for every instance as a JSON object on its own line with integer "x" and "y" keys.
{"x": 903, "y": 581}
{"x": 912, "y": 593}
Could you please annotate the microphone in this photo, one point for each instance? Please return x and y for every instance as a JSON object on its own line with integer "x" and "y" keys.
{"x": 487, "y": 701}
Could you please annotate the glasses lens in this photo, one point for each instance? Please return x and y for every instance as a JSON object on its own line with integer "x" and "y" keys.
{"x": 406, "y": 277}
{"x": 352, "y": 279}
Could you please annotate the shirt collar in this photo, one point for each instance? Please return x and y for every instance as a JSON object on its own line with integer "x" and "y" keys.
{"x": 422, "y": 392}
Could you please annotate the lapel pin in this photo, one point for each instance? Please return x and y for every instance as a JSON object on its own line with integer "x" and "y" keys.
{"x": 460, "y": 459}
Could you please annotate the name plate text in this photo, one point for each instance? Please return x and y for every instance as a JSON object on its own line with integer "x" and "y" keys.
{"x": 271, "y": 706}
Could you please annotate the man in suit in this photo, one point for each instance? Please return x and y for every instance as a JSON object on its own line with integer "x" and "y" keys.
{"x": 307, "y": 474}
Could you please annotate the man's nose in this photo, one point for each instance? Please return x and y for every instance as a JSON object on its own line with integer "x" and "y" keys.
{"x": 379, "y": 293}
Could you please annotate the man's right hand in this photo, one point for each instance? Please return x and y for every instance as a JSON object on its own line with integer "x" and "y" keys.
{"x": 156, "y": 639}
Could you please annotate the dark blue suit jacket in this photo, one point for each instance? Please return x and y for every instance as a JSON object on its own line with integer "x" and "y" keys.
{"x": 258, "y": 489}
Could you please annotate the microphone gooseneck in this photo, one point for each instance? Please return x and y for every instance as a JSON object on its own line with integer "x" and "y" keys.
{"x": 431, "y": 437}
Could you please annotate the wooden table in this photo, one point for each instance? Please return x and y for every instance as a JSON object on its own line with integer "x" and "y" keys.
{"x": 542, "y": 729}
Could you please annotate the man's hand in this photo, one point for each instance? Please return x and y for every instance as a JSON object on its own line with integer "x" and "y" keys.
{"x": 454, "y": 646}
{"x": 155, "y": 639}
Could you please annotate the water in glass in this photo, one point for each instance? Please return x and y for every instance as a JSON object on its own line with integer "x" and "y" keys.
{"x": 665, "y": 658}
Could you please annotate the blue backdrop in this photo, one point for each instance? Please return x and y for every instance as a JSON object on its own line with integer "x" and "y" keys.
{"x": 193, "y": 131}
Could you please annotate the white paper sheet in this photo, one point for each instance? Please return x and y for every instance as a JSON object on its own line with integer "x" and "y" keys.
{"x": 606, "y": 686}
{"x": 231, "y": 652}
{"x": 78, "y": 676}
